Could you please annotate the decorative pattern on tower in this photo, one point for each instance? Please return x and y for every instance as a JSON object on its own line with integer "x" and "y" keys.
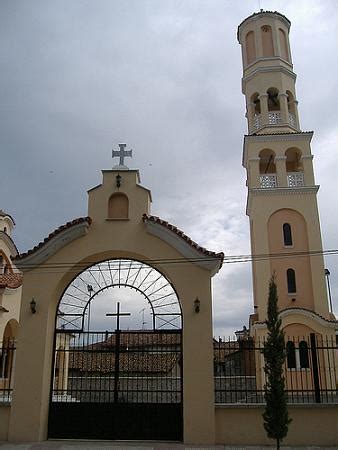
{"x": 282, "y": 194}
{"x": 271, "y": 103}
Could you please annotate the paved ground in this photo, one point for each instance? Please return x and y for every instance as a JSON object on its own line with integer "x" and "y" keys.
{"x": 104, "y": 445}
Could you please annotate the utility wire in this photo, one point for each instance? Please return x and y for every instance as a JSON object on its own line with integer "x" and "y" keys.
{"x": 125, "y": 263}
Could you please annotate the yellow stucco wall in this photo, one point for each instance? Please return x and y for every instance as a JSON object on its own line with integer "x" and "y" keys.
{"x": 311, "y": 425}
{"x": 112, "y": 239}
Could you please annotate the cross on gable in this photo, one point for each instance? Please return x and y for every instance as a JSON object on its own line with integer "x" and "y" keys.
{"x": 122, "y": 153}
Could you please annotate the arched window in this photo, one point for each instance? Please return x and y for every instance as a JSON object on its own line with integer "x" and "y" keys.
{"x": 290, "y": 355}
{"x": 5, "y": 230}
{"x": 118, "y": 206}
{"x": 267, "y": 161}
{"x": 291, "y": 281}
{"x": 250, "y": 47}
{"x": 283, "y": 45}
{"x": 256, "y": 104}
{"x": 267, "y": 42}
{"x": 7, "y": 351}
{"x": 287, "y": 234}
{"x": 293, "y": 160}
{"x": 273, "y": 99}
{"x": 291, "y": 102}
{"x": 303, "y": 355}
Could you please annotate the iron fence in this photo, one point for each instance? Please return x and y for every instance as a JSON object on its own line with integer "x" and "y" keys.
{"x": 310, "y": 370}
{"x": 7, "y": 362}
{"x": 118, "y": 367}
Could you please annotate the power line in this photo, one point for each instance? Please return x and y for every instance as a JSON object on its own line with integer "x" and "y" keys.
{"x": 125, "y": 263}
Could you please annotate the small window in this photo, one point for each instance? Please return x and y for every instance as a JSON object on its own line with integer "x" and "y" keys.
{"x": 118, "y": 206}
{"x": 250, "y": 47}
{"x": 287, "y": 235}
{"x": 267, "y": 41}
{"x": 303, "y": 355}
{"x": 291, "y": 281}
{"x": 267, "y": 161}
{"x": 291, "y": 355}
{"x": 5, "y": 230}
{"x": 273, "y": 99}
{"x": 256, "y": 104}
{"x": 283, "y": 45}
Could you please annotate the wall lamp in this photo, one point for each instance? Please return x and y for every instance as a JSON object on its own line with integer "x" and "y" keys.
{"x": 197, "y": 305}
{"x": 32, "y": 305}
{"x": 118, "y": 180}
{"x": 327, "y": 274}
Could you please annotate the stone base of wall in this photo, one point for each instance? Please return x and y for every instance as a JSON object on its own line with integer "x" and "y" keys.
{"x": 5, "y": 411}
{"x": 243, "y": 425}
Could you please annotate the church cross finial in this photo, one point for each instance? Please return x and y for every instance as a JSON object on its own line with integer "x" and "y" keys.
{"x": 122, "y": 153}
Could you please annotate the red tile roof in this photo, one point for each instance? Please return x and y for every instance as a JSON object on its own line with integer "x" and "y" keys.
{"x": 129, "y": 361}
{"x": 277, "y": 133}
{"x": 178, "y": 232}
{"x": 10, "y": 280}
{"x": 53, "y": 234}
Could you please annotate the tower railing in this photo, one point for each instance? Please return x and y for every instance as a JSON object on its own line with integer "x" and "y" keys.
{"x": 274, "y": 118}
{"x": 292, "y": 119}
{"x": 295, "y": 179}
{"x": 268, "y": 181}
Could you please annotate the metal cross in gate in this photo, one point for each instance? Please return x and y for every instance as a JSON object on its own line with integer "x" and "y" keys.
{"x": 122, "y": 153}
{"x": 118, "y": 314}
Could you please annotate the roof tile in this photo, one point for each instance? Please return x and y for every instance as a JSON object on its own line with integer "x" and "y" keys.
{"x": 173, "y": 228}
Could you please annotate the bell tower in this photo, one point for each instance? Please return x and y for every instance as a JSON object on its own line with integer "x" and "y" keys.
{"x": 282, "y": 194}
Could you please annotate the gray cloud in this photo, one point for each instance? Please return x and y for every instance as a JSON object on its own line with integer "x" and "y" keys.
{"x": 77, "y": 78}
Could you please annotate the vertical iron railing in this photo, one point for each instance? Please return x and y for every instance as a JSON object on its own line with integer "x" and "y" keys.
{"x": 310, "y": 370}
{"x": 7, "y": 364}
{"x": 118, "y": 367}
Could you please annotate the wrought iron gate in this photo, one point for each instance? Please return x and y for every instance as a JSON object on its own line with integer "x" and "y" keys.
{"x": 117, "y": 385}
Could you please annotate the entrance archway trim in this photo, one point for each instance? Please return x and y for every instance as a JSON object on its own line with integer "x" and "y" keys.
{"x": 56, "y": 240}
{"x": 119, "y": 272}
{"x": 183, "y": 244}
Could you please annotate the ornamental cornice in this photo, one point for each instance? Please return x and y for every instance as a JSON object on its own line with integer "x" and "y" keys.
{"x": 301, "y": 312}
{"x": 311, "y": 315}
{"x": 258, "y": 16}
{"x": 279, "y": 69}
{"x": 305, "y": 135}
{"x": 281, "y": 191}
{"x": 255, "y": 159}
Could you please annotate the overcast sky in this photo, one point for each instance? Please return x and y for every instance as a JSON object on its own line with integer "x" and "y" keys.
{"x": 164, "y": 76}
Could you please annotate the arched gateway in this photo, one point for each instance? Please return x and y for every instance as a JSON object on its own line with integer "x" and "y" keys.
{"x": 112, "y": 381}
{"x": 144, "y": 376}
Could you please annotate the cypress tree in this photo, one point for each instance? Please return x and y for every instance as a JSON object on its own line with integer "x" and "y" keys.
{"x": 276, "y": 417}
